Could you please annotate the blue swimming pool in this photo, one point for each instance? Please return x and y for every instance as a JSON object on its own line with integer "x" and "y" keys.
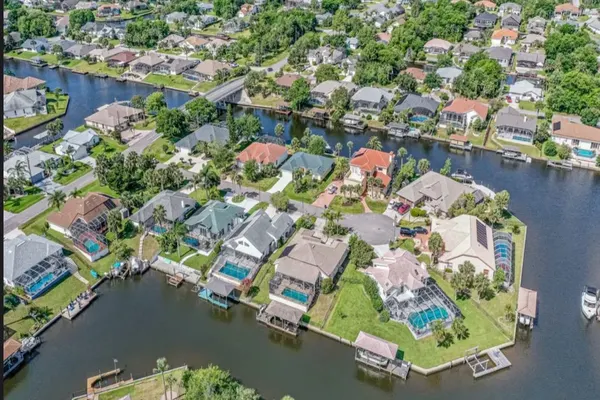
{"x": 234, "y": 271}
{"x": 158, "y": 229}
{"x": 418, "y": 320}
{"x": 584, "y": 153}
{"x": 41, "y": 284}
{"x": 190, "y": 241}
{"x": 295, "y": 295}
{"x": 418, "y": 118}
{"x": 91, "y": 246}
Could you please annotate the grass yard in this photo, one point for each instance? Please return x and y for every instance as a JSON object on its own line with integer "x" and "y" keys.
{"x": 150, "y": 247}
{"x": 96, "y": 187}
{"x": 80, "y": 170}
{"x": 269, "y": 101}
{"x": 170, "y": 81}
{"x": 527, "y": 105}
{"x": 55, "y": 106}
{"x": 377, "y": 206}
{"x": 275, "y": 59}
{"x": 18, "y": 204}
{"x": 146, "y": 125}
{"x": 476, "y": 138}
{"x": 177, "y": 256}
{"x": 204, "y": 87}
{"x": 198, "y": 260}
{"x": 98, "y": 68}
{"x": 107, "y": 146}
{"x": 310, "y": 195}
{"x": 530, "y": 150}
{"x": 353, "y": 312}
{"x": 321, "y": 309}
{"x": 49, "y": 148}
{"x": 156, "y": 149}
{"x": 263, "y": 205}
{"x": 200, "y": 195}
{"x": 262, "y": 184}
{"x": 354, "y": 207}
{"x": 150, "y": 388}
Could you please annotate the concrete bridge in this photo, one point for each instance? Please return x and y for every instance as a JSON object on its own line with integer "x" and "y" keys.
{"x": 229, "y": 92}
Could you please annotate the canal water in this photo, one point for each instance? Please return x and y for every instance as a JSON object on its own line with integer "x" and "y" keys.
{"x": 137, "y": 322}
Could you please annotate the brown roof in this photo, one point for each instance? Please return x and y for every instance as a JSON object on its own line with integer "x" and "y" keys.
{"x": 384, "y": 37}
{"x": 196, "y": 41}
{"x": 463, "y": 106}
{"x": 210, "y": 67}
{"x": 564, "y": 127}
{"x": 12, "y": 83}
{"x": 113, "y": 115}
{"x": 286, "y": 80}
{"x": 459, "y": 138}
{"x": 416, "y": 73}
{"x": 376, "y": 345}
{"x": 262, "y": 153}
{"x": 486, "y": 4}
{"x": 566, "y": 7}
{"x": 11, "y": 346}
{"x": 124, "y": 57}
{"x": 441, "y": 43}
{"x": 502, "y": 33}
{"x": 527, "y": 303}
{"x": 88, "y": 208}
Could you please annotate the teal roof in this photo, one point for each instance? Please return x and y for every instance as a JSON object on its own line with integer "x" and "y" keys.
{"x": 318, "y": 165}
{"x": 215, "y": 216}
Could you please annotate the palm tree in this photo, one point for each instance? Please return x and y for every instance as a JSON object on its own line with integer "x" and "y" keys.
{"x": 114, "y": 221}
{"x": 370, "y": 184}
{"x": 279, "y": 130}
{"x": 75, "y": 193}
{"x": 401, "y": 154}
{"x": 7, "y": 148}
{"x": 180, "y": 230}
{"x": 159, "y": 215}
{"x": 57, "y": 199}
{"x": 19, "y": 170}
{"x": 238, "y": 179}
{"x": 374, "y": 143}
{"x": 350, "y": 146}
{"x": 338, "y": 149}
{"x": 209, "y": 177}
{"x": 161, "y": 368}
{"x": 196, "y": 181}
{"x": 171, "y": 380}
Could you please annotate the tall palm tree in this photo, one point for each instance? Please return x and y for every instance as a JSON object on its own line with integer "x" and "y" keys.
{"x": 57, "y": 199}
{"x": 7, "y": 147}
{"x": 210, "y": 178}
{"x": 338, "y": 148}
{"x": 401, "y": 154}
{"x": 180, "y": 230}
{"x": 161, "y": 368}
{"x": 350, "y": 146}
{"x": 75, "y": 193}
{"x": 171, "y": 380}
{"x": 114, "y": 220}
{"x": 374, "y": 143}
{"x": 159, "y": 215}
{"x": 20, "y": 170}
{"x": 279, "y": 130}
{"x": 196, "y": 181}
{"x": 238, "y": 179}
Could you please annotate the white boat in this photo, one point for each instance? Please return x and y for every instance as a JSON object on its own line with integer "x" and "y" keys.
{"x": 462, "y": 175}
{"x": 589, "y": 301}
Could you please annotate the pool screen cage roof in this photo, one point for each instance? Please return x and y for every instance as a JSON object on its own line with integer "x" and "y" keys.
{"x": 82, "y": 232}
{"x": 503, "y": 250}
{"x": 99, "y": 222}
{"x": 41, "y": 269}
{"x": 425, "y": 298}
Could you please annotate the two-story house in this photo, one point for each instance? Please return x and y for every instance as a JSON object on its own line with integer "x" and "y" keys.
{"x": 369, "y": 163}
{"x": 485, "y": 20}
{"x": 461, "y": 112}
{"x": 583, "y": 140}
{"x": 516, "y": 127}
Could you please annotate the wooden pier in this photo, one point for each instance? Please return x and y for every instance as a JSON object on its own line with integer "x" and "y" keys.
{"x": 92, "y": 380}
{"x": 175, "y": 280}
{"x": 79, "y": 307}
{"x": 481, "y": 367}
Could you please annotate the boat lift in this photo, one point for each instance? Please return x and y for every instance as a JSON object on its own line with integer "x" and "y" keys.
{"x": 495, "y": 361}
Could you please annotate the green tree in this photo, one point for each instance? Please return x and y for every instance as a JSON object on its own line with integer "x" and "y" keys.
{"x": 436, "y": 245}
{"x": 299, "y": 94}
{"x": 114, "y": 221}
{"x": 210, "y": 179}
{"x": 36, "y": 23}
{"x": 327, "y": 286}
{"x": 439, "y": 333}
{"x": 459, "y": 328}
{"x": 338, "y": 148}
{"x": 161, "y": 367}
{"x": 317, "y": 145}
{"x": 542, "y": 133}
{"x": 350, "y": 145}
{"x": 447, "y": 168}
{"x": 423, "y": 166}
{"x": 57, "y": 199}
{"x": 145, "y": 32}
{"x": 550, "y": 149}
{"x": 54, "y": 127}
{"x": 407, "y": 83}
{"x": 138, "y": 101}
{"x": 481, "y": 77}
{"x": 279, "y": 130}
{"x": 590, "y": 116}
{"x": 564, "y": 151}
{"x": 295, "y": 145}
{"x": 280, "y": 201}
{"x": 201, "y": 111}
{"x": 502, "y": 199}
{"x": 481, "y": 283}
{"x": 251, "y": 170}
{"x": 433, "y": 80}
{"x": 509, "y": 313}
{"x": 155, "y": 102}
{"x": 326, "y": 72}
{"x": 401, "y": 154}
{"x": 172, "y": 123}
{"x": 340, "y": 102}
{"x": 374, "y": 143}
{"x": 159, "y": 215}
{"x": 498, "y": 279}
{"x": 78, "y": 18}
{"x": 121, "y": 250}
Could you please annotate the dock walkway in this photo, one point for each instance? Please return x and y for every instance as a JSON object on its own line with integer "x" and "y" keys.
{"x": 481, "y": 368}
{"x": 78, "y": 307}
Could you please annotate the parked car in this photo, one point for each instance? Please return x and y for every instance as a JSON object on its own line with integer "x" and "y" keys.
{"x": 332, "y": 189}
{"x": 403, "y": 209}
{"x": 421, "y": 230}
{"x": 407, "y": 232}
{"x": 508, "y": 99}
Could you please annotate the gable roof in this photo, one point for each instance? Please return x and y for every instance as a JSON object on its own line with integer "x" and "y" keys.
{"x": 113, "y": 114}
{"x": 499, "y": 53}
{"x": 206, "y": 133}
{"x": 215, "y": 216}
{"x": 210, "y": 67}
{"x": 10, "y": 347}
{"x": 80, "y": 138}
{"x": 441, "y": 43}
{"x": 176, "y": 204}
{"x": 397, "y": 268}
{"x": 486, "y": 16}
{"x": 149, "y": 59}
{"x": 262, "y": 153}
{"x": 527, "y": 302}
{"x": 372, "y": 95}
{"x": 412, "y": 100}
{"x": 87, "y": 208}
{"x": 12, "y": 83}
{"x": 21, "y": 99}
{"x": 317, "y": 165}
{"x": 376, "y": 345}
{"x": 505, "y": 33}
{"x": 416, "y": 73}
{"x": 449, "y": 72}
{"x": 511, "y": 19}
{"x": 523, "y": 87}
{"x": 508, "y": 116}
{"x": 261, "y": 231}
{"x": 485, "y": 3}
{"x": 24, "y": 252}
{"x": 537, "y": 58}
{"x": 369, "y": 159}
{"x": 462, "y": 106}
{"x": 565, "y": 127}
{"x": 560, "y": 8}
{"x": 286, "y": 80}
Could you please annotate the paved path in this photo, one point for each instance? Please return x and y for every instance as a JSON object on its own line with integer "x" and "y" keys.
{"x": 280, "y": 184}
{"x": 81, "y": 278}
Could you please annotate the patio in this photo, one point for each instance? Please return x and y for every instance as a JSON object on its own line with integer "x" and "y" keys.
{"x": 198, "y": 162}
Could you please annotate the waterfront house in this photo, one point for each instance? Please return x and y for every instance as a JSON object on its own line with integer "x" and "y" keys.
{"x": 235, "y": 25}
{"x": 525, "y": 90}
{"x": 108, "y": 10}
{"x": 528, "y": 62}
{"x": 175, "y": 17}
{"x": 437, "y": 46}
{"x": 250, "y": 244}
{"x": 286, "y": 81}
{"x": 537, "y": 25}
{"x": 593, "y": 25}
{"x": 509, "y": 9}
{"x": 13, "y": 356}
{"x": 421, "y": 108}
{"x": 473, "y": 35}
{"x": 464, "y": 51}
{"x": 62, "y": 43}
{"x": 486, "y": 5}
{"x": 317, "y": 166}
{"x": 513, "y": 126}
{"x": 175, "y": 66}
{"x": 381, "y": 354}
{"x": 178, "y": 206}
{"x": 370, "y": 100}
{"x": 326, "y": 55}
{"x": 79, "y": 51}
{"x": 146, "y": 64}
{"x": 304, "y": 263}
{"x": 449, "y": 74}
{"x": 399, "y": 129}
{"x": 485, "y": 20}
{"x": 114, "y": 117}
{"x": 12, "y": 83}
{"x": 77, "y": 144}
{"x": 24, "y": 103}
{"x": 66, "y": 5}
{"x": 36, "y": 45}
{"x": 321, "y": 93}
{"x": 466, "y": 238}
{"x": 416, "y": 73}
{"x": 207, "y": 133}
{"x": 566, "y": 10}
{"x": 369, "y": 163}
{"x": 216, "y": 43}
{"x": 194, "y": 43}
{"x": 100, "y": 54}
{"x": 511, "y": 22}
{"x": 34, "y": 264}
{"x": 121, "y": 60}
{"x": 211, "y": 223}
{"x": 263, "y": 154}
{"x": 532, "y": 40}
{"x": 207, "y": 70}
{"x": 435, "y": 192}
{"x": 504, "y": 37}
{"x": 104, "y": 29}
{"x": 171, "y": 41}
{"x": 583, "y": 140}
{"x": 37, "y": 163}
{"x": 461, "y": 112}
{"x": 501, "y": 54}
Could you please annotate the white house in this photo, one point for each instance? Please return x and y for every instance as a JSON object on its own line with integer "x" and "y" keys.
{"x": 525, "y": 90}
{"x": 77, "y": 144}
{"x": 584, "y": 140}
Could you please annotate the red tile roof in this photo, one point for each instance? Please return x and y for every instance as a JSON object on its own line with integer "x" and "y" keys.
{"x": 88, "y": 208}
{"x": 12, "y": 83}
{"x": 10, "y": 347}
{"x": 502, "y": 33}
{"x": 416, "y": 73}
{"x": 384, "y": 37}
{"x": 564, "y": 127}
{"x": 286, "y": 80}
{"x": 369, "y": 159}
{"x": 486, "y": 4}
{"x": 566, "y": 7}
{"x": 463, "y": 106}
{"x": 459, "y": 138}
{"x": 385, "y": 179}
{"x": 262, "y": 153}
{"x": 124, "y": 57}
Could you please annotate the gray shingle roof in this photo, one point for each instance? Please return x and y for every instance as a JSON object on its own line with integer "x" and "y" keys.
{"x": 80, "y": 138}
{"x": 206, "y": 133}
{"x": 21, "y": 99}
{"x": 531, "y": 57}
{"x": 412, "y": 101}
{"x": 372, "y": 95}
{"x": 176, "y": 204}
{"x": 499, "y": 53}
{"x": 317, "y": 165}
{"x": 254, "y": 228}
{"x": 215, "y": 216}
{"x": 219, "y": 287}
{"x": 35, "y": 159}
{"x": 508, "y": 116}
{"x": 24, "y": 252}
{"x": 486, "y": 16}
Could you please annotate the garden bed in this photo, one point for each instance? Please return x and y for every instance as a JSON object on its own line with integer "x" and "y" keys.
{"x": 347, "y": 206}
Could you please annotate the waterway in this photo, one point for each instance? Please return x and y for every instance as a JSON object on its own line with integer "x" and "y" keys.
{"x": 139, "y": 321}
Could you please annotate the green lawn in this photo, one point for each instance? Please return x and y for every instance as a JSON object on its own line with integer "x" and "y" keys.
{"x": 150, "y": 247}
{"x": 49, "y": 147}
{"x": 275, "y": 59}
{"x": 476, "y": 138}
{"x": 321, "y": 309}
{"x": 262, "y": 184}
{"x": 263, "y": 205}
{"x": 270, "y": 101}
{"x": 107, "y": 146}
{"x": 530, "y": 150}
{"x": 156, "y": 149}
{"x": 18, "y": 204}
{"x": 527, "y": 105}
{"x": 377, "y": 206}
{"x": 54, "y": 106}
{"x": 310, "y": 195}
{"x": 98, "y": 68}
{"x": 198, "y": 260}
{"x": 96, "y": 187}
{"x": 354, "y": 207}
{"x": 151, "y": 388}
{"x": 24, "y": 55}
{"x": 354, "y": 313}
{"x": 204, "y": 87}
{"x": 146, "y": 125}
{"x": 200, "y": 195}
{"x": 80, "y": 170}
{"x": 170, "y": 81}
{"x": 177, "y": 256}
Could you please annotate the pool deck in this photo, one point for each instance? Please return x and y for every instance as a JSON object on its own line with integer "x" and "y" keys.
{"x": 79, "y": 307}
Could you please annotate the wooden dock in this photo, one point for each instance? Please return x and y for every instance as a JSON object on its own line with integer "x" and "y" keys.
{"x": 175, "y": 280}
{"x": 79, "y": 307}
{"x": 92, "y": 380}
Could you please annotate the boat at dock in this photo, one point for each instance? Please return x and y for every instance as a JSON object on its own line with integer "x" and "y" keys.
{"x": 75, "y": 307}
{"x": 353, "y": 122}
{"x": 15, "y": 353}
{"x": 462, "y": 175}
{"x": 513, "y": 153}
{"x": 562, "y": 164}
{"x": 590, "y": 304}
{"x": 402, "y": 130}
{"x": 102, "y": 76}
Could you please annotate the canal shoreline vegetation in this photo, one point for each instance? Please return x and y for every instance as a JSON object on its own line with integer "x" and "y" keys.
{"x": 56, "y": 106}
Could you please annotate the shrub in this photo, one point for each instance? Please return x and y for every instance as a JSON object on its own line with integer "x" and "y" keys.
{"x": 327, "y": 286}
{"x": 369, "y": 117}
{"x": 238, "y": 198}
{"x": 418, "y": 212}
{"x": 373, "y": 293}
{"x": 306, "y": 222}
{"x": 516, "y": 229}
{"x": 384, "y": 316}
{"x": 550, "y": 150}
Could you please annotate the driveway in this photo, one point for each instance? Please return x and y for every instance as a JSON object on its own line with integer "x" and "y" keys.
{"x": 49, "y": 186}
{"x": 280, "y": 184}
{"x": 325, "y": 198}
{"x": 375, "y": 229}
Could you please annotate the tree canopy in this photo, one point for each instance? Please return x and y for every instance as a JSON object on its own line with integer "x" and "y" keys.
{"x": 78, "y": 18}
{"x": 481, "y": 77}
{"x": 145, "y": 32}
{"x": 172, "y": 123}
{"x": 35, "y": 23}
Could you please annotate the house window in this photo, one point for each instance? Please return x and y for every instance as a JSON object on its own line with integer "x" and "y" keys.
{"x": 575, "y": 142}
{"x": 595, "y": 146}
